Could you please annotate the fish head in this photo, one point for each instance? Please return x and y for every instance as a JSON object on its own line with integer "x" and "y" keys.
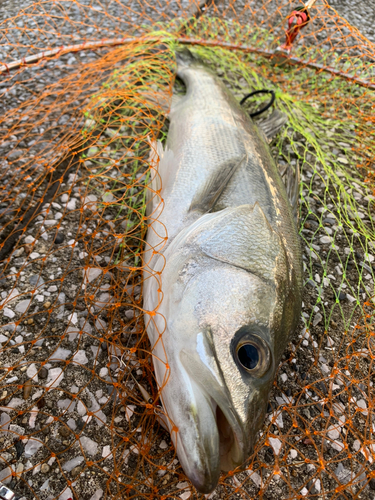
{"x": 228, "y": 313}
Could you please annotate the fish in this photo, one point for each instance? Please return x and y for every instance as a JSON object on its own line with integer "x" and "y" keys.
{"x": 222, "y": 275}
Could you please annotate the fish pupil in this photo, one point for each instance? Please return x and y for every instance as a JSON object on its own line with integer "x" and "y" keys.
{"x": 248, "y": 356}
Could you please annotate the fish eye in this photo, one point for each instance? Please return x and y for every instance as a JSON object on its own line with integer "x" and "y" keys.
{"x": 251, "y": 352}
{"x": 248, "y": 356}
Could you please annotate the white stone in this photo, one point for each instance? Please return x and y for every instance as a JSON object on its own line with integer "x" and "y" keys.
{"x": 71, "y": 205}
{"x": 325, "y": 239}
{"x": 163, "y": 445}
{"x": 8, "y": 313}
{"x": 55, "y": 377}
{"x": 107, "y": 452}
{"x": 7, "y": 298}
{"x": 356, "y": 445}
{"x": 80, "y": 358}
{"x": 91, "y": 273}
{"x": 276, "y": 445}
{"x": 185, "y": 495}
{"x": 72, "y": 424}
{"x": 23, "y": 305}
{"x": 183, "y": 484}
{"x": 60, "y": 354}
{"x": 6, "y": 475}
{"x": 64, "y": 197}
{"x": 74, "y": 462}
{"x": 52, "y": 288}
{"x": 3, "y": 338}
{"x": 255, "y": 477}
{"x": 66, "y": 494}
{"x": 361, "y": 403}
{"x": 129, "y": 410}
{"x": 29, "y": 239}
{"x": 103, "y": 372}
{"x": 97, "y": 495}
{"x": 103, "y": 300}
{"x": 33, "y": 415}
{"x": 73, "y": 318}
{"x": 317, "y": 485}
{"x": 32, "y": 371}
{"x": 337, "y": 445}
{"x": 317, "y": 319}
{"x": 101, "y": 418}
{"x": 89, "y": 202}
{"x": 66, "y": 404}
{"x": 13, "y": 403}
{"x": 4, "y": 423}
{"x": 34, "y": 255}
{"x": 81, "y": 408}
{"x": 108, "y": 197}
{"x": 32, "y": 446}
{"x": 333, "y": 432}
{"x": 293, "y": 454}
{"x": 45, "y": 485}
{"x": 89, "y": 445}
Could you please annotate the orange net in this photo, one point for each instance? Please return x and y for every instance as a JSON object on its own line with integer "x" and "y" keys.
{"x": 78, "y": 398}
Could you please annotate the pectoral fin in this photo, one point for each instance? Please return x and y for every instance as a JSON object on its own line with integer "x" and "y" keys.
{"x": 206, "y": 199}
{"x": 242, "y": 237}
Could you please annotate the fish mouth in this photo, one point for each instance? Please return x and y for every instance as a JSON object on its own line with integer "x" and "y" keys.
{"x": 218, "y": 446}
{"x": 215, "y": 438}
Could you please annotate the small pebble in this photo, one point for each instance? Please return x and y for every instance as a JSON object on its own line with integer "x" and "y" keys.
{"x": 27, "y": 389}
{"x": 64, "y": 431}
{"x": 36, "y": 280}
{"x": 45, "y": 468}
{"x": 308, "y": 442}
{"x": 43, "y": 373}
{"x": 47, "y": 304}
{"x": 59, "y": 238}
{"x": 76, "y": 471}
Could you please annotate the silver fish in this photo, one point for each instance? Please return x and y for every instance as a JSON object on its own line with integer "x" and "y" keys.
{"x": 222, "y": 276}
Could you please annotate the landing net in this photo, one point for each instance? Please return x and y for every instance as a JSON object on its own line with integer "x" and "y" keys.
{"x": 78, "y": 398}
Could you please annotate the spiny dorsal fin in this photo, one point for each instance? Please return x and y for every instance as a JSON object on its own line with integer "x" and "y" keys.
{"x": 273, "y": 124}
{"x": 206, "y": 199}
{"x": 291, "y": 180}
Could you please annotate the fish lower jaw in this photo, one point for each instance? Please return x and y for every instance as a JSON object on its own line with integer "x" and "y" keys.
{"x": 231, "y": 454}
{"x": 228, "y": 454}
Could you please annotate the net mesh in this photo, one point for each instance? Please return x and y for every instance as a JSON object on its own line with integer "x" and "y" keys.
{"x": 78, "y": 398}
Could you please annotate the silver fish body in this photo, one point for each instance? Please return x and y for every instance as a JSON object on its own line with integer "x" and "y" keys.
{"x": 222, "y": 277}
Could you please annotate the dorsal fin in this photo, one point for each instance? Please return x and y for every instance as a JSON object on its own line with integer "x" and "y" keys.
{"x": 291, "y": 180}
{"x": 291, "y": 177}
{"x": 206, "y": 199}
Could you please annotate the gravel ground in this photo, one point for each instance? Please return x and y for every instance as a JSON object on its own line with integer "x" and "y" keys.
{"x": 78, "y": 404}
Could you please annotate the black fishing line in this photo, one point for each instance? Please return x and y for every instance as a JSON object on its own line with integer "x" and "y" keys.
{"x": 267, "y": 106}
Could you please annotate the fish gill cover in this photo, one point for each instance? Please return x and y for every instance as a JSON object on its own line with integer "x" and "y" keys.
{"x": 78, "y": 399}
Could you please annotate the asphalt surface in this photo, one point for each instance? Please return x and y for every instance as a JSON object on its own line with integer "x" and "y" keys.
{"x": 359, "y": 13}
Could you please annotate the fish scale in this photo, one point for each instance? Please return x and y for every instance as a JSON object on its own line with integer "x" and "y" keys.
{"x": 222, "y": 276}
